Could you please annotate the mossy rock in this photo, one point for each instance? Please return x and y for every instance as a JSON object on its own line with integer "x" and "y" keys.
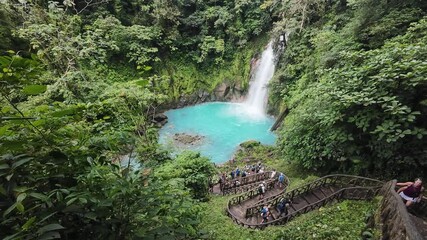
{"x": 250, "y": 144}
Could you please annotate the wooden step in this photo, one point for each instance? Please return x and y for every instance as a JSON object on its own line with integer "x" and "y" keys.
{"x": 305, "y": 199}
{"x": 315, "y": 195}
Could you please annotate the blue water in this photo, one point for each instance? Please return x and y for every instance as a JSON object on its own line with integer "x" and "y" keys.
{"x": 224, "y": 126}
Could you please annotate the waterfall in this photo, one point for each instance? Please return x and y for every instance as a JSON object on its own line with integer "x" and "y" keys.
{"x": 256, "y": 101}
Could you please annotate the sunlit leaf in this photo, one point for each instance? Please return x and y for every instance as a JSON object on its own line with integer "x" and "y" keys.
{"x": 29, "y": 223}
{"x": 21, "y": 197}
{"x": 63, "y": 113}
{"x": 34, "y": 89}
{"x": 20, "y": 207}
{"x": 142, "y": 83}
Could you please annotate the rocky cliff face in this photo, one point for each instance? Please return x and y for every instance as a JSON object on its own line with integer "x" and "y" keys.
{"x": 225, "y": 92}
{"x": 222, "y": 93}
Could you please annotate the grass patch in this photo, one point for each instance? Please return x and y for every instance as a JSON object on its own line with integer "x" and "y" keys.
{"x": 344, "y": 220}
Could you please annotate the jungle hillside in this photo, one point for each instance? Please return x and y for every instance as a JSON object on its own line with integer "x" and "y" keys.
{"x": 81, "y": 82}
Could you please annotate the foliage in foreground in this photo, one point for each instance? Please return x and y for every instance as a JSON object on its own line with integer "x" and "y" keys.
{"x": 191, "y": 170}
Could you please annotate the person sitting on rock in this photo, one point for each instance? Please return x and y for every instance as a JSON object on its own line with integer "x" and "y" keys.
{"x": 411, "y": 191}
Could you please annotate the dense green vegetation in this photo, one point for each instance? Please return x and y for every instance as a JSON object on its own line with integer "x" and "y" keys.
{"x": 353, "y": 77}
{"x": 80, "y": 81}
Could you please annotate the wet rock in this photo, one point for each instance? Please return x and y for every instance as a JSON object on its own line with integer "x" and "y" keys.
{"x": 188, "y": 139}
{"x": 160, "y": 119}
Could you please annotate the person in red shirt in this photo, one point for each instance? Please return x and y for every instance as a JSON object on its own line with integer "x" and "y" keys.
{"x": 411, "y": 191}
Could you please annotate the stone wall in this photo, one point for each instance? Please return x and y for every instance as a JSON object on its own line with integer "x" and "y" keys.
{"x": 395, "y": 221}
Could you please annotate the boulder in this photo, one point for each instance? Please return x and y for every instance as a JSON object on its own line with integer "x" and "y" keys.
{"x": 188, "y": 139}
{"x": 160, "y": 119}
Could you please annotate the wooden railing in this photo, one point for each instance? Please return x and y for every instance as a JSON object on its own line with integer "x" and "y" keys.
{"x": 246, "y": 183}
{"x": 396, "y": 223}
{"x": 354, "y": 193}
{"x": 349, "y": 189}
{"x": 253, "y": 192}
{"x": 337, "y": 180}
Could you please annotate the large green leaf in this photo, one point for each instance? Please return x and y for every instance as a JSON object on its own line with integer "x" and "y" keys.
{"x": 20, "y": 207}
{"x": 50, "y": 235}
{"x": 39, "y": 196}
{"x": 14, "y": 236}
{"x": 21, "y": 197}
{"x": 4, "y": 166}
{"x": 20, "y": 162}
{"x": 49, "y": 228}
{"x": 34, "y": 89}
{"x": 10, "y": 209}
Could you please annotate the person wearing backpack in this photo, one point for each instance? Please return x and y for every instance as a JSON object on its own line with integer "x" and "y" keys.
{"x": 283, "y": 206}
{"x": 264, "y": 214}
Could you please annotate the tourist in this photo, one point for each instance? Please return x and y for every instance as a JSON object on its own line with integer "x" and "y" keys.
{"x": 261, "y": 170}
{"x": 211, "y": 183}
{"x": 264, "y": 214}
{"x": 258, "y": 167}
{"x": 237, "y": 183}
{"x": 244, "y": 173}
{"x": 261, "y": 190}
{"x": 411, "y": 191}
{"x": 273, "y": 173}
{"x": 221, "y": 182}
{"x": 247, "y": 167}
{"x": 283, "y": 206}
{"x": 281, "y": 180}
{"x": 232, "y": 174}
{"x": 237, "y": 172}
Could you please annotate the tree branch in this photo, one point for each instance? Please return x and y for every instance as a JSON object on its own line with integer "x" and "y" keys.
{"x": 23, "y": 116}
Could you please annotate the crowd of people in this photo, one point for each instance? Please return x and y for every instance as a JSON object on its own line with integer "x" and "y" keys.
{"x": 282, "y": 207}
{"x": 235, "y": 177}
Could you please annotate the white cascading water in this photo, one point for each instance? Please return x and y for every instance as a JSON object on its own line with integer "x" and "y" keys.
{"x": 256, "y": 100}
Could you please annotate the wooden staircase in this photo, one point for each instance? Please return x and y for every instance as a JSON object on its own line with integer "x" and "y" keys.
{"x": 245, "y": 209}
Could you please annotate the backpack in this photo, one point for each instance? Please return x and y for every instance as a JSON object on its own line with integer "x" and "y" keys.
{"x": 263, "y": 211}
